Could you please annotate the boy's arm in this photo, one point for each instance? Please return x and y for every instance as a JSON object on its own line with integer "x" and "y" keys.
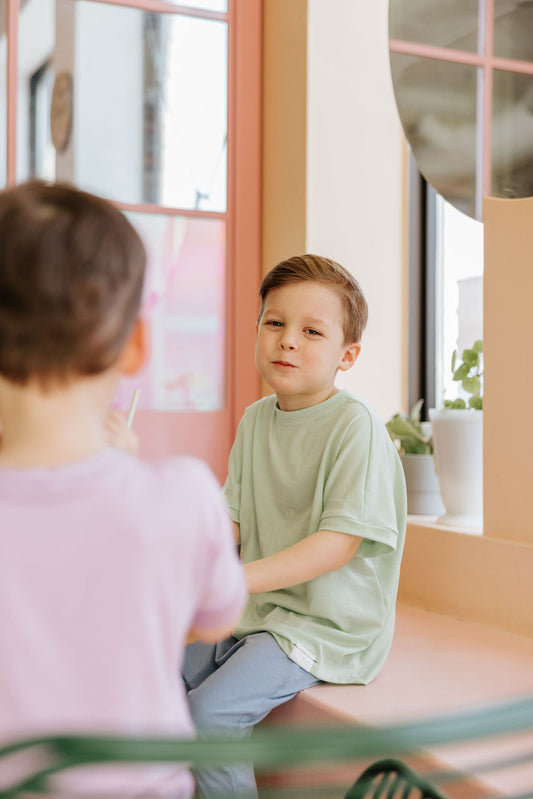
{"x": 311, "y": 557}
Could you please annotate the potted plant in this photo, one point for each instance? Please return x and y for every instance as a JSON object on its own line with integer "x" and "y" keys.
{"x": 458, "y": 440}
{"x": 414, "y": 442}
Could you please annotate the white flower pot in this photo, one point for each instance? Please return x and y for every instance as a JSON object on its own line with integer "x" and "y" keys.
{"x": 458, "y": 444}
{"x": 423, "y": 493}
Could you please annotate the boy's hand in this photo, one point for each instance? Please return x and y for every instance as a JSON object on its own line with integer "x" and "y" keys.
{"x": 119, "y": 435}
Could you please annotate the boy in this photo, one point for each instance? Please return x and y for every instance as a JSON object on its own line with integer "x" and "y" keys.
{"x": 316, "y": 493}
{"x": 107, "y": 562}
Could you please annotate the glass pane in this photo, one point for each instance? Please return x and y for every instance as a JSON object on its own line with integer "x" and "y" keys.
{"x": 512, "y": 135}
{"x": 149, "y": 114}
{"x": 513, "y": 24}
{"x": 3, "y": 91}
{"x": 185, "y": 308}
{"x": 35, "y": 152}
{"x": 459, "y": 287}
{"x": 208, "y": 5}
{"x": 437, "y": 105}
{"x": 442, "y": 23}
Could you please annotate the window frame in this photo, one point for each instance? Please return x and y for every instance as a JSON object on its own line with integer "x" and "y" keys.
{"x": 242, "y": 216}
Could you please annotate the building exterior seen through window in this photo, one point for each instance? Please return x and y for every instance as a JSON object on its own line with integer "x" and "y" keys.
{"x": 131, "y": 103}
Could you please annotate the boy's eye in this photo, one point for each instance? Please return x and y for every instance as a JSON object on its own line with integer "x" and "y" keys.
{"x": 274, "y": 323}
{"x": 312, "y": 331}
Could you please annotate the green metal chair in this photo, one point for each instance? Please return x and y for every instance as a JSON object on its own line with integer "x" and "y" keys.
{"x": 277, "y": 749}
{"x": 388, "y": 778}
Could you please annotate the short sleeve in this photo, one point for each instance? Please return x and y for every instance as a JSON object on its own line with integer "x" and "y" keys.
{"x": 364, "y": 493}
{"x": 221, "y": 589}
{"x": 232, "y": 486}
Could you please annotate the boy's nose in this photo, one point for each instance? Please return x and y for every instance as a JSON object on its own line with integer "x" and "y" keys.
{"x": 287, "y": 341}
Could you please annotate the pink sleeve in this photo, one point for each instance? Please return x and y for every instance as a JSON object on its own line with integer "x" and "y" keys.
{"x": 221, "y": 587}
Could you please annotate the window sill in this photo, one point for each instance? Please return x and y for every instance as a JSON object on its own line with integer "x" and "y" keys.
{"x": 430, "y": 522}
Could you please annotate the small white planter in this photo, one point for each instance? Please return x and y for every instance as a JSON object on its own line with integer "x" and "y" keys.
{"x": 458, "y": 444}
{"x": 423, "y": 493}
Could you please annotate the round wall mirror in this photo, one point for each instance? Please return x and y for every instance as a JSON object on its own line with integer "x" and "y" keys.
{"x": 462, "y": 72}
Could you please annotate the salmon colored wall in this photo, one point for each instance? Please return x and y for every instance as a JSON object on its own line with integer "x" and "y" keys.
{"x": 205, "y": 435}
{"x": 508, "y": 434}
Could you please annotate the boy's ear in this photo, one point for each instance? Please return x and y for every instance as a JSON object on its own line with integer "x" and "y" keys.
{"x": 135, "y": 350}
{"x": 350, "y": 356}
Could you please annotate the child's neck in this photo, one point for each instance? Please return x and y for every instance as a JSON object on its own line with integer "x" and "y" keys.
{"x": 43, "y": 429}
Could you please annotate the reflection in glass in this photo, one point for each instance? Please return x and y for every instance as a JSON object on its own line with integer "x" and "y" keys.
{"x": 441, "y": 23}
{"x": 150, "y": 111}
{"x": 3, "y": 91}
{"x": 512, "y": 135}
{"x": 185, "y": 308}
{"x": 513, "y": 26}
{"x": 437, "y": 105}
{"x": 35, "y": 153}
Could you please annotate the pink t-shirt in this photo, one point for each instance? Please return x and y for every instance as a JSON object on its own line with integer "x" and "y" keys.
{"x": 105, "y": 565}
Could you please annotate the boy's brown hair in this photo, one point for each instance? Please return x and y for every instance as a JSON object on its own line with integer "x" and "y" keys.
{"x": 71, "y": 277}
{"x": 330, "y": 273}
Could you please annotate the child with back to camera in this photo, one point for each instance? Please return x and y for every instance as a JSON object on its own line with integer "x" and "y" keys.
{"x": 316, "y": 493}
{"x": 108, "y": 563}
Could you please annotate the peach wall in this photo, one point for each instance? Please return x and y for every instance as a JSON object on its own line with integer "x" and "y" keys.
{"x": 284, "y": 129}
{"x": 284, "y": 132}
{"x": 469, "y": 577}
{"x": 508, "y": 437}
{"x": 333, "y": 159}
{"x": 355, "y": 186}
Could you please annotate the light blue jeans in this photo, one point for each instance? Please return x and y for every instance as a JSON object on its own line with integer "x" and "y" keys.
{"x": 231, "y": 686}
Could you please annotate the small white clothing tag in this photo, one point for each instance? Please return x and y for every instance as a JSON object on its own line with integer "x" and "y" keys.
{"x": 303, "y": 657}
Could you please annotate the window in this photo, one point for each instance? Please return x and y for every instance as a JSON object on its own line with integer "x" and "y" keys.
{"x": 138, "y": 101}
{"x": 463, "y": 78}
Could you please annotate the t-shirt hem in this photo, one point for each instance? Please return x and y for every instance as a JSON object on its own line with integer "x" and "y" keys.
{"x": 327, "y": 675}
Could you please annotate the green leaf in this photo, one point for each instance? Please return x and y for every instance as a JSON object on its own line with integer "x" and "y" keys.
{"x": 448, "y": 403}
{"x": 454, "y": 358}
{"x": 472, "y": 385}
{"x": 459, "y": 404}
{"x": 401, "y": 426}
{"x": 478, "y": 345}
{"x": 461, "y": 372}
{"x": 416, "y": 410}
{"x": 412, "y": 446}
{"x": 476, "y": 402}
{"x": 471, "y": 358}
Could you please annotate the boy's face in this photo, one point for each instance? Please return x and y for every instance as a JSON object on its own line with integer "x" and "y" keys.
{"x": 300, "y": 343}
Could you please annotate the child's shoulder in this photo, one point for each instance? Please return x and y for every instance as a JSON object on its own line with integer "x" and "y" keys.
{"x": 168, "y": 478}
{"x": 259, "y": 409}
{"x": 353, "y": 408}
{"x": 185, "y": 468}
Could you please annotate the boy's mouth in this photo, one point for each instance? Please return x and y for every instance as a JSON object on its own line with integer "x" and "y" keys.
{"x": 284, "y": 364}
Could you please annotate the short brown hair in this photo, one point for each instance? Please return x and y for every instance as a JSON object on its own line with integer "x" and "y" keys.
{"x": 71, "y": 276}
{"x": 332, "y": 274}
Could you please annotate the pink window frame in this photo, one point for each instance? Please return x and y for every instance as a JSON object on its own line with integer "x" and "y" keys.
{"x": 488, "y": 62}
{"x": 242, "y": 215}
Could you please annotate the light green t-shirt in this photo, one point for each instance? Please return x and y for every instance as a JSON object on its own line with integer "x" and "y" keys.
{"x": 328, "y": 467}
